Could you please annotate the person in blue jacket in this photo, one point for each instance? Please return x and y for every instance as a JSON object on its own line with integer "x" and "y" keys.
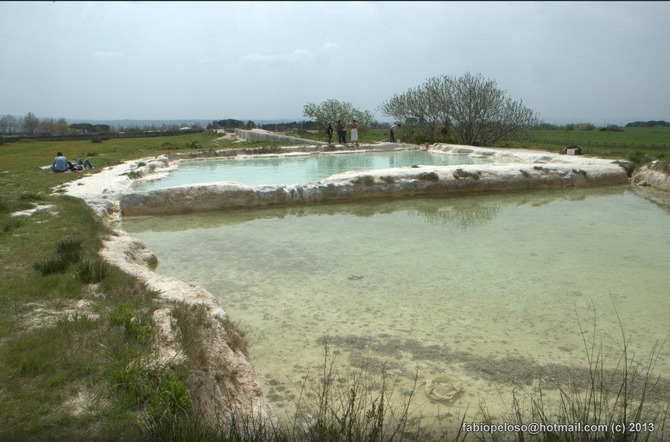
{"x": 61, "y": 164}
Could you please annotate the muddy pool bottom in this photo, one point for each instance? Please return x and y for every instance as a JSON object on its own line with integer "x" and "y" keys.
{"x": 481, "y": 298}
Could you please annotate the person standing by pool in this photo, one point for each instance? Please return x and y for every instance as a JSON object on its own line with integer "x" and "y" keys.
{"x": 342, "y": 132}
{"x": 394, "y": 128}
{"x": 354, "y": 132}
{"x": 329, "y": 132}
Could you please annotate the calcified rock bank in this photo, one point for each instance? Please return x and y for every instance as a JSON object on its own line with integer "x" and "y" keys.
{"x": 225, "y": 382}
{"x": 526, "y": 170}
{"x": 649, "y": 176}
{"x": 109, "y": 193}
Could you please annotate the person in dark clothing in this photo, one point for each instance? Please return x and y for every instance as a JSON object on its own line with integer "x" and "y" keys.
{"x": 329, "y": 132}
{"x": 342, "y": 132}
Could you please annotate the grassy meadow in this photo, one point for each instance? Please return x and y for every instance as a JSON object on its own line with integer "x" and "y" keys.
{"x": 653, "y": 142}
{"x": 75, "y": 332}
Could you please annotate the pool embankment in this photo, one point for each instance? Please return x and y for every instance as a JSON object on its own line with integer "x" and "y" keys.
{"x": 370, "y": 184}
{"x": 266, "y": 135}
{"x": 651, "y": 177}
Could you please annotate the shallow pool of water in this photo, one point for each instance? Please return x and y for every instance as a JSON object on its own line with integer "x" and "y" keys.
{"x": 301, "y": 169}
{"x": 482, "y": 290}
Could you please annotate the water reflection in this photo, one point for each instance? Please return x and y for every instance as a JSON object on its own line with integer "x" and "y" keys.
{"x": 459, "y": 211}
{"x": 482, "y": 290}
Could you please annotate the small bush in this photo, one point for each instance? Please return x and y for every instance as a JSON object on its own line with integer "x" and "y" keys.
{"x": 388, "y": 179}
{"x": 51, "y": 265}
{"x": 627, "y": 166}
{"x": 173, "y": 398}
{"x": 133, "y": 174}
{"x": 460, "y": 173}
{"x": 91, "y": 272}
{"x": 367, "y": 180}
{"x": 11, "y": 225}
{"x": 122, "y": 314}
{"x": 30, "y": 196}
{"x": 96, "y": 139}
{"x": 611, "y": 128}
{"x": 428, "y": 176}
{"x": 69, "y": 249}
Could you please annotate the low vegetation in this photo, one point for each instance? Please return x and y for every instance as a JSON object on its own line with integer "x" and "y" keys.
{"x": 365, "y": 180}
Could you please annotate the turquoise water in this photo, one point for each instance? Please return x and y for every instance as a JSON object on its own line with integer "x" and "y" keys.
{"x": 297, "y": 169}
{"x": 482, "y": 290}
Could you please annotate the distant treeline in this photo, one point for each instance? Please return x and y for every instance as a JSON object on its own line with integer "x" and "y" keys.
{"x": 648, "y": 124}
{"x": 95, "y": 137}
{"x": 33, "y": 126}
{"x": 608, "y": 128}
{"x": 277, "y": 127}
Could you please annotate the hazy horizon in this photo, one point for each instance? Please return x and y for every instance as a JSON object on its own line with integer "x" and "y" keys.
{"x": 592, "y": 62}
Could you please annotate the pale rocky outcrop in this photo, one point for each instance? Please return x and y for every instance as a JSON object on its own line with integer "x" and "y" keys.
{"x": 649, "y": 176}
{"x": 266, "y": 135}
{"x": 226, "y": 381}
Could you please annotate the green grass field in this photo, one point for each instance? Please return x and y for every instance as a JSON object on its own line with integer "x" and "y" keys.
{"x": 74, "y": 331}
{"x": 651, "y": 141}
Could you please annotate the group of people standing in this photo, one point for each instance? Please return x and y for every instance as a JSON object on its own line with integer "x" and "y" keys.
{"x": 342, "y": 132}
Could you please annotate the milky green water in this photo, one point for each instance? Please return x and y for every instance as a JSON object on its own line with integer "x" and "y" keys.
{"x": 481, "y": 290}
{"x": 298, "y": 169}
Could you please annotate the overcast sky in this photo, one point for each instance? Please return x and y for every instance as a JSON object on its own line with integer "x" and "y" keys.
{"x": 598, "y": 62}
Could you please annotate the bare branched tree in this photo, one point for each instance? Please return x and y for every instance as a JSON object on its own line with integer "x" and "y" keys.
{"x": 468, "y": 109}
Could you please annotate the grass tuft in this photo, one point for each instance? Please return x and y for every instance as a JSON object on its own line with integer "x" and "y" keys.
{"x": 92, "y": 272}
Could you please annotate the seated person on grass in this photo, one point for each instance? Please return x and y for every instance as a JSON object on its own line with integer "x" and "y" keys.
{"x": 61, "y": 164}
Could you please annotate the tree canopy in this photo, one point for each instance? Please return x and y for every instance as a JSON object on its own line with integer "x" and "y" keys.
{"x": 331, "y": 111}
{"x": 467, "y": 110}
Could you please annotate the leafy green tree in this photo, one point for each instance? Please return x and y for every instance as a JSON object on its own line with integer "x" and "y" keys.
{"x": 62, "y": 127}
{"x": 231, "y": 124}
{"x": 330, "y": 111}
{"x": 30, "y": 123}
{"x": 82, "y": 127}
{"x": 467, "y": 109}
